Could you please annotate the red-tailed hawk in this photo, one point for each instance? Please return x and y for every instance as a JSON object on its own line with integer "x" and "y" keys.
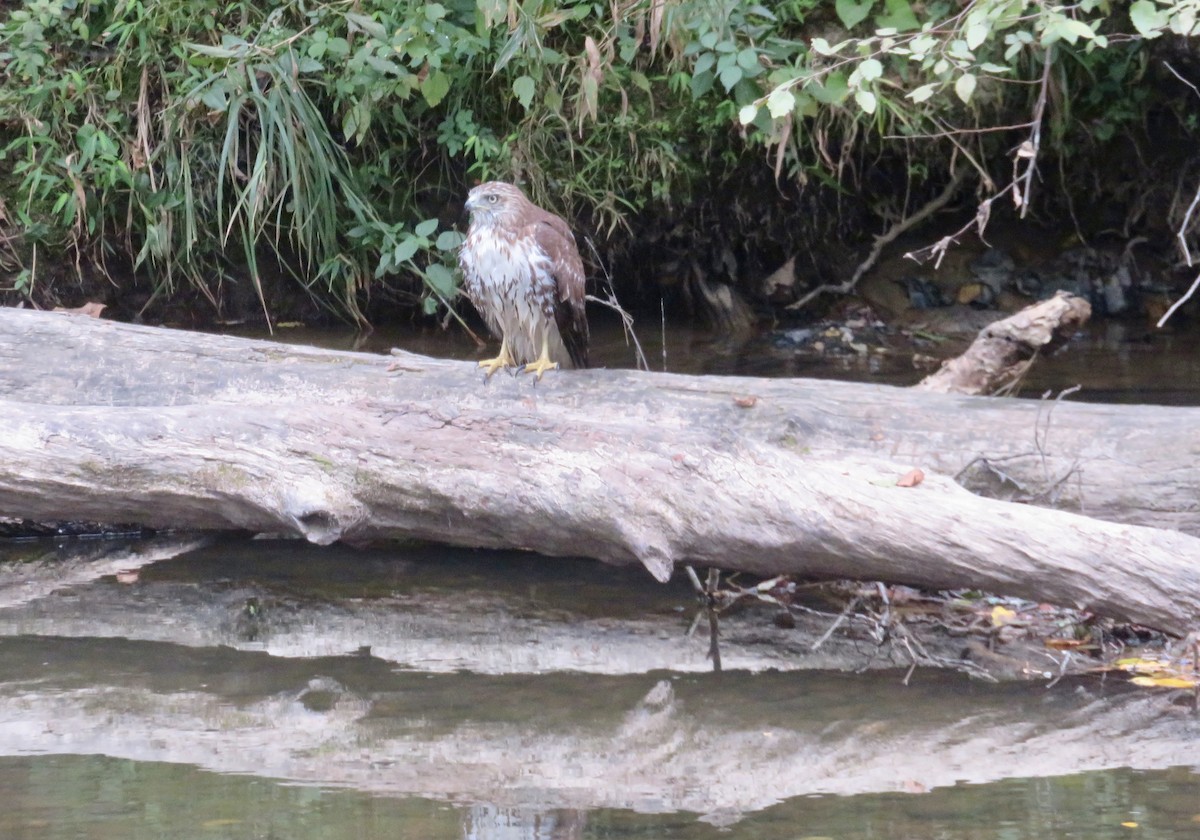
{"x": 523, "y": 273}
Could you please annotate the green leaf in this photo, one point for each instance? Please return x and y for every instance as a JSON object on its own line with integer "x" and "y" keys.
{"x": 367, "y": 24}
{"x": 923, "y": 92}
{"x": 899, "y": 16}
{"x": 426, "y": 227}
{"x": 806, "y": 106}
{"x": 434, "y": 11}
{"x": 357, "y": 121}
{"x": 866, "y": 100}
{"x": 405, "y": 249}
{"x": 781, "y": 102}
{"x": 851, "y": 13}
{"x": 1147, "y": 18}
{"x": 435, "y": 87}
{"x": 821, "y": 47}
{"x": 965, "y": 86}
{"x": 449, "y": 240}
{"x": 958, "y": 49}
{"x": 747, "y": 59}
{"x": 216, "y": 97}
{"x": 977, "y": 33}
{"x": 747, "y": 114}
{"x": 1070, "y": 30}
{"x": 834, "y": 90}
{"x": 440, "y": 279}
{"x": 730, "y": 76}
{"x": 922, "y": 45}
{"x": 591, "y": 95}
{"x": 870, "y": 70}
{"x": 216, "y": 52}
{"x": 524, "y": 87}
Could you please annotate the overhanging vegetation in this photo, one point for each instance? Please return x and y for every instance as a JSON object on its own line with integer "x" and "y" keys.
{"x": 182, "y": 138}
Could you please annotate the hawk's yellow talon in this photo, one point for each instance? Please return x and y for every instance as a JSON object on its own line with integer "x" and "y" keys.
{"x": 543, "y": 363}
{"x": 503, "y": 359}
{"x": 540, "y": 366}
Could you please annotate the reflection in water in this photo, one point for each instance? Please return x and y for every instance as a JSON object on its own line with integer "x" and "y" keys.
{"x": 70, "y": 797}
{"x": 490, "y": 822}
{"x": 1114, "y": 361}
{"x": 156, "y": 673}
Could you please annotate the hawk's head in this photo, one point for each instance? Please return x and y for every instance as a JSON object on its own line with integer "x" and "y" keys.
{"x": 495, "y": 203}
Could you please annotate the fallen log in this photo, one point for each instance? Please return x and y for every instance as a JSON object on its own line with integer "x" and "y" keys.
{"x": 115, "y": 422}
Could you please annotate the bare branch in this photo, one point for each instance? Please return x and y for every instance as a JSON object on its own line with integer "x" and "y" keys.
{"x": 1186, "y": 297}
{"x": 1031, "y": 147}
{"x": 882, "y": 241}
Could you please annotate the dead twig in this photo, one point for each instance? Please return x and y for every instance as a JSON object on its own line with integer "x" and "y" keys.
{"x": 1181, "y": 233}
{"x": 1029, "y": 150}
{"x": 850, "y": 607}
{"x": 1042, "y": 433}
{"x": 610, "y": 301}
{"x": 882, "y": 241}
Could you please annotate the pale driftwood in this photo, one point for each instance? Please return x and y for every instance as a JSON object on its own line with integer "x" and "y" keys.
{"x": 1003, "y": 351}
{"x": 120, "y": 423}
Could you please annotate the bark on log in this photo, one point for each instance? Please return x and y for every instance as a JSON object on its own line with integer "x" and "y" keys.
{"x": 115, "y": 422}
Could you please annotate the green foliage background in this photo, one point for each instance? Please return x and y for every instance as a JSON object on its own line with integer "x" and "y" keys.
{"x": 187, "y": 140}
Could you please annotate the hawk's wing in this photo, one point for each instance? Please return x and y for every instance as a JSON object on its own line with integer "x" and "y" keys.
{"x": 554, "y": 237}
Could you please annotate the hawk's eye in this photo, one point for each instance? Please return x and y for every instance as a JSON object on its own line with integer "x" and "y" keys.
{"x": 491, "y": 198}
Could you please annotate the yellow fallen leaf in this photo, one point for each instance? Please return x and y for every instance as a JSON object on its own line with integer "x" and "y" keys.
{"x": 1002, "y": 616}
{"x": 1130, "y": 824}
{"x": 1164, "y": 682}
{"x": 1142, "y": 666}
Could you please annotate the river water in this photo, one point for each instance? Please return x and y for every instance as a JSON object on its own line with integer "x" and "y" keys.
{"x": 1111, "y": 361}
{"x": 186, "y": 687}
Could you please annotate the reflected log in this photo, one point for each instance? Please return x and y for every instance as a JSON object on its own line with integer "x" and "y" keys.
{"x": 114, "y": 422}
{"x": 567, "y": 741}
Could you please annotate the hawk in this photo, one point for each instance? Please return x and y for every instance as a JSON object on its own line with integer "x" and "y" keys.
{"x": 523, "y": 273}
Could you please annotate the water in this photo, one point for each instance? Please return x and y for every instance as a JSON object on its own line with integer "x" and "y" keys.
{"x": 275, "y": 689}
{"x": 1112, "y": 361}
{"x": 60, "y": 797}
